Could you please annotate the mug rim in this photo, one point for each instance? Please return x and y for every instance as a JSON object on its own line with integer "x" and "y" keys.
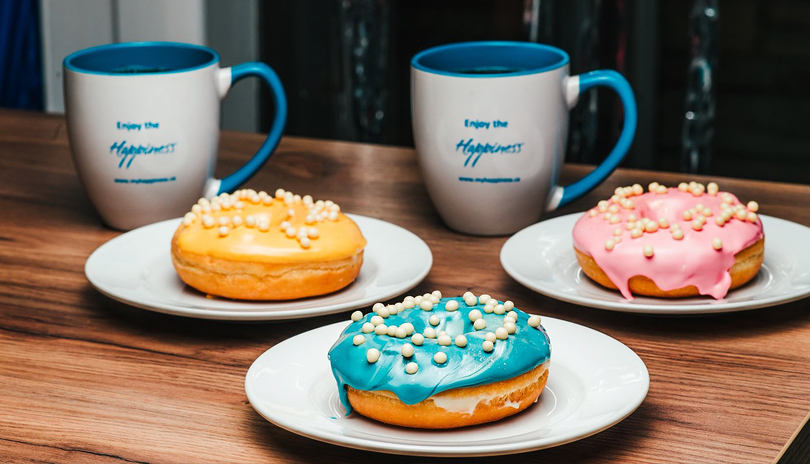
{"x": 69, "y": 63}
{"x": 417, "y": 62}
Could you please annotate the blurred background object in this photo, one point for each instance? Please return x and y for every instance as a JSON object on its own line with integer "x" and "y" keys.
{"x": 717, "y": 94}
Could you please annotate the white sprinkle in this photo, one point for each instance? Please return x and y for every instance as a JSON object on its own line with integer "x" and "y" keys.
{"x": 250, "y": 221}
{"x": 461, "y": 341}
{"x": 490, "y": 336}
{"x": 189, "y": 217}
{"x": 377, "y": 307}
{"x": 471, "y": 301}
{"x": 290, "y": 232}
{"x": 408, "y": 304}
{"x": 717, "y": 244}
{"x": 368, "y": 327}
{"x": 358, "y": 340}
{"x": 305, "y": 242}
{"x": 381, "y": 329}
{"x": 510, "y": 327}
{"x": 437, "y": 294}
{"x": 411, "y": 368}
{"x": 429, "y": 332}
{"x": 224, "y": 221}
{"x": 445, "y": 340}
{"x": 407, "y": 350}
{"x": 474, "y": 315}
{"x": 383, "y": 312}
{"x": 377, "y": 320}
{"x": 488, "y": 346}
{"x": 264, "y": 226}
{"x": 451, "y": 305}
{"x": 408, "y": 327}
{"x": 224, "y": 231}
{"x": 333, "y": 216}
{"x": 648, "y": 251}
{"x": 484, "y": 298}
{"x": 508, "y": 305}
{"x": 513, "y": 315}
{"x": 609, "y": 244}
{"x": 500, "y": 309}
{"x": 434, "y": 320}
{"x": 677, "y": 234}
{"x": 417, "y": 339}
{"x": 534, "y": 321}
{"x": 208, "y": 221}
{"x": 440, "y": 357}
{"x": 501, "y": 333}
{"x": 480, "y": 324}
{"x": 373, "y": 355}
{"x": 284, "y": 225}
{"x": 753, "y": 206}
{"x": 392, "y": 330}
{"x": 357, "y": 315}
{"x": 401, "y": 332}
{"x": 751, "y": 217}
{"x": 426, "y": 305}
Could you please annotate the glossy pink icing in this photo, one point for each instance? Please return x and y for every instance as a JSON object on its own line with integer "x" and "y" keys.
{"x": 676, "y": 263}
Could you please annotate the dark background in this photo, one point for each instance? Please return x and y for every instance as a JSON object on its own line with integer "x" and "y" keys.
{"x": 761, "y": 78}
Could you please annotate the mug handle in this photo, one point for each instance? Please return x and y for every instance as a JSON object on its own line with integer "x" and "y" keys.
{"x": 574, "y": 87}
{"x": 228, "y": 77}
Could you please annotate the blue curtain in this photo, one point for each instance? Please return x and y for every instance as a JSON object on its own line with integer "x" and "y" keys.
{"x": 20, "y": 58}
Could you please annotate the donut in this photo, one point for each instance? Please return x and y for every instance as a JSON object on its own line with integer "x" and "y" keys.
{"x": 437, "y": 363}
{"x": 254, "y": 246}
{"x": 670, "y": 242}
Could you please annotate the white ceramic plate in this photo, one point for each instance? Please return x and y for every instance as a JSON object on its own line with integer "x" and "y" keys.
{"x": 136, "y": 268}
{"x": 594, "y": 382}
{"x": 542, "y": 258}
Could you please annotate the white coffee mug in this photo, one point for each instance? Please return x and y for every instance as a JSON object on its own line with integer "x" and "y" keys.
{"x": 490, "y": 122}
{"x": 143, "y": 124}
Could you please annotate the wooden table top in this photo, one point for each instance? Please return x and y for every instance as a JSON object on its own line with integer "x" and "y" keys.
{"x": 86, "y": 379}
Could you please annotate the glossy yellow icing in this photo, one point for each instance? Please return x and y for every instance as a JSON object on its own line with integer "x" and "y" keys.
{"x": 337, "y": 239}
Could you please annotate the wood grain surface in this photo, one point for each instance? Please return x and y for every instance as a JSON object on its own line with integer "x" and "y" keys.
{"x": 86, "y": 379}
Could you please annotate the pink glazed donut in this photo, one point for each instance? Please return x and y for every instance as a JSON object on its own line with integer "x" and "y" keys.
{"x": 670, "y": 242}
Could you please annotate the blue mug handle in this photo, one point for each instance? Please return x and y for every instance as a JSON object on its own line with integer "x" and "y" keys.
{"x": 241, "y": 175}
{"x": 576, "y": 85}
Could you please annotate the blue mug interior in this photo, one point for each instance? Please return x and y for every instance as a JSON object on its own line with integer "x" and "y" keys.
{"x": 141, "y": 58}
{"x": 489, "y": 59}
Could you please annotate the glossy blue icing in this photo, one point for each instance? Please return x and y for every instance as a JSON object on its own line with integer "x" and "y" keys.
{"x": 526, "y": 349}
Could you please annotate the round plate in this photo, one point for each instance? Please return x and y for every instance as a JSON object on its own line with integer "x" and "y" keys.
{"x": 541, "y": 257}
{"x": 136, "y": 268}
{"x": 594, "y": 382}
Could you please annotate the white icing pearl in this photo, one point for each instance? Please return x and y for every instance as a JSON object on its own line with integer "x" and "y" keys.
{"x": 490, "y": 336}
{"x": 304, "y": 241}
{"x": 440, "y": 357}
{"x": 500, "y": 309}
{"x": 677, "y": 234}
{"x": 687, "y": 215}
{"x": 513, "y": 315}
{"x": 683, "y": 186}
{"x": 501, "y": 333}
{"x": 648, "y": 251}
{"x": 373, "y": 355}
{"x": 411, "y": 368}
{"x": 377, "y": 320}
{"x": 609, "y": 244}
{"x": 445, "y": 340}
{"x": 717, "y": 244}
{"x": 381, "y": 329}
{"x": 451, "y": 305}
{"x": 636, "y": 233}
{"x": 401, "y": 332}
{"x": 392, "y": 330}
{"x": 437, "y": 294}
{"x": 617, "y": 231}
{"x": 488, "y": 346}
{"x": 408, "y": 304}
{"x": 426, "y": 305}
{"x": 417, "y": 339}
{"x": 614, "y": 220}
{"x": 753, "y": 206}
{"x": 407, "y": 350}
{"x": 333, "y": 216}
{"x": 393, "y": 309}
{"x": 398, "y": 307}
{"x": 751, "y": 217}
{"x": 474, "y": 315}
{"x": 652, "y": 187}
{"x": 470, "y": 301}
{"x": 429, "y": 332}
{"x": 483, "y": 299}
{"x": 264, "y": 226}
{"x": 741, "y": 215}
{"x": 224, "y": 221}
{"x": 189, "y": 218}
{"x": 224, "y": 231}
{"x": 208, "y": 221}
{"x": 434, "y": 320}
{"x": 697, "y": 224}
{"x": 508, "y": 305}
{"x": 480, "y": 324}
{"x": 417, "y": 300}
{"x": 290, "y": 232}
{"x": 489, "y": 308}
{"x": 510, "y": 327}
{"x": 358, "y": 340}
{"x": 284, "y": 225}
{"x": 651, "y": 227}
{"x": 661, "y": 190}
{"x": 534, "y": 321}
{"x": 368, "y": 327}
{"x": 408, "y": 328}
{"x": 383, "y": 312}
{"x": 377, "y": 307}
{"x": 712, "y": 188}
{"x": 720, "y": 220}
{"x": 357, "y": 315}
{"x": 280, "y": 193}
{"x": 461, "y": 341}
{"x": 250, "y": 221}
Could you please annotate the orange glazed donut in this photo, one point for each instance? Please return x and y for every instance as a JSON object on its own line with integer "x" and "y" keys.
{"x": 671, "y": 242}
{"x": 437, "y": 363}
{"x": 254, "y": 246}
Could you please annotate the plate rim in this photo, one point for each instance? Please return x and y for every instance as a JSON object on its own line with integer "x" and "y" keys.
{"x": 269, "y": 315}
{"x": 416, "y": 449}
{"x": 710, "y": 307}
